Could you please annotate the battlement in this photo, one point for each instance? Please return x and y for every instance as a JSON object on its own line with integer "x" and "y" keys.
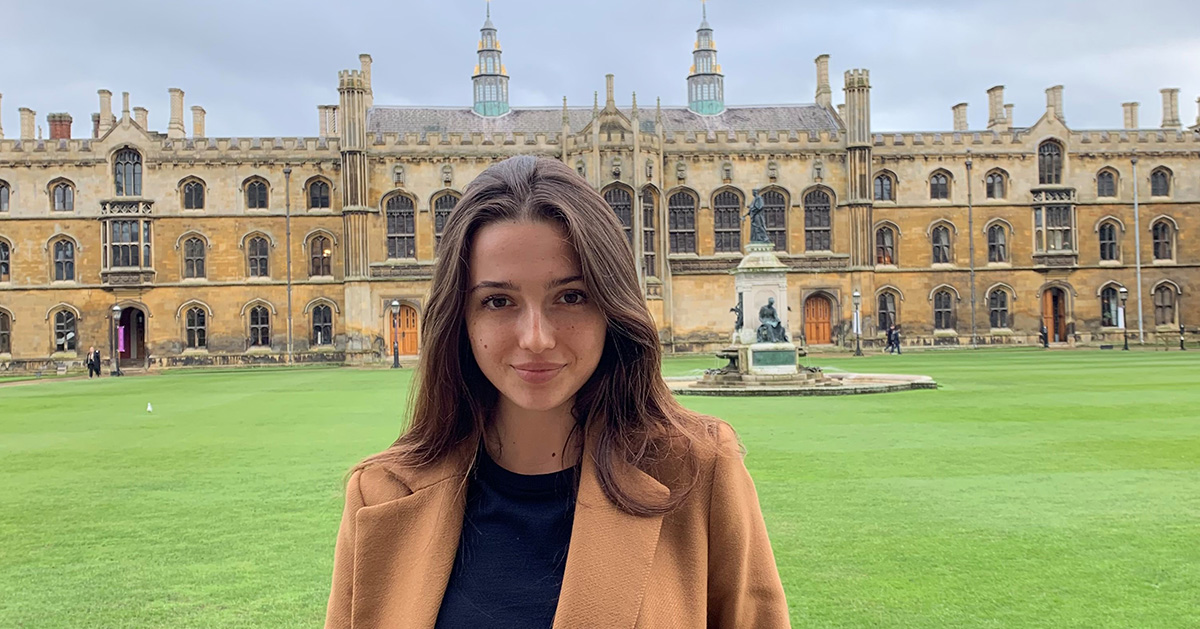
{"x": 351, "y": 79}
{"x": 858, "y": 79}
{"x": 1120, "y": 139}
{"x": 204, "y": 148}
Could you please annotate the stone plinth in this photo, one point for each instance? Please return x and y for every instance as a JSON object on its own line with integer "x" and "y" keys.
{"x": 760, "y": 276}
{"x": 768, "y": 359}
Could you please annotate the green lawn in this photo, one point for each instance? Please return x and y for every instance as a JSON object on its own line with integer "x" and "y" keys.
{"x": 1035, "y": 489}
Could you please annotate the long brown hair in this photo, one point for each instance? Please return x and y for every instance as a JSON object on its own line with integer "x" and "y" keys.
{"x": 640, "y": 422}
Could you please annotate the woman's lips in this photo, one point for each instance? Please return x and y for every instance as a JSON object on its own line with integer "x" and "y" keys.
{"x": 538, "y": 373}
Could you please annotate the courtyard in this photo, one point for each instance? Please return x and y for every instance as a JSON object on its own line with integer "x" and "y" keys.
{"x": 1033, "y": 489}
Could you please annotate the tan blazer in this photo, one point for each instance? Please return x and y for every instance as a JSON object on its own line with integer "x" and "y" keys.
{"x": 708, "y": 563}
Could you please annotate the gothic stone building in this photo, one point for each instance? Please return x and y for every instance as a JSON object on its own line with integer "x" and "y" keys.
{"x": 192, "y": 249}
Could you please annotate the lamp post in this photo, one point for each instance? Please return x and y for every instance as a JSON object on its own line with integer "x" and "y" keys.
{"x": 287, "y": 222}
{"x": 1124, "y": 292}
{"x": 1137, "y": 248}
{"x": 971, "y": 244}
{"x": 116, "y": 318}
{"x": 856, "y": 297}
{"x": 395, "y": 334}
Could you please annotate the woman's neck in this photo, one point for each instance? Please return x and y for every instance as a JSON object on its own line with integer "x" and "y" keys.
{"x": 534, "y": 442}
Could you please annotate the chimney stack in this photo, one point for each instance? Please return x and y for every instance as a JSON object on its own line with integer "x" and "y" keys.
{"x": 1131, "y": 115}
{"x": 1054, "y": 102}
{"x": 60, "y": 126}
{"x": 842, "y": 111}
{"x": 175, "y": 125}
{"x": 322, "y": 121}
{"x": 364, "y": 61}
{"x": 141, "y": 116}
{"x": 1171, "y": 108}
{"x": 609, "y": 99}
{"x": 1, "y": 123}
{"x": 197, "y": 121}
{"x": 106, "y": 116}
{"x": 124, "y": 105}
{"x": 996, "y": 119}
{"x": 95, "y": 126}
{"x": 960, "y": 117}
{"x": 1008, "y": 114}
{"x": 27, "y": 121}
{"x": 824, "y": 96}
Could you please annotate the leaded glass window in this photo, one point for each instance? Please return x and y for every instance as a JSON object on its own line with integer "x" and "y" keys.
{"x": 65, "y": 339}
{"x": 681, "y": 222}
{"x": 997, "y": 244}
{"x": 5, "y": 262}
{"x": 943, "y": 310}
{"x": 193, "y": 195}
{"x": 1050, "y": 163}
{"x": 5, "y": 333}
{"x": 64, "y": 197}
{"x": 258, "y": 257}
{"x": 322, "y": 325}
{"x": 941, "y": 245}
{"x": 442, "y": 207}
{"x": 1164, "y": 248}
{"x": 320, "y": 257}
{"x": 260, "y": 327}
{"x": 4, "y": 191}
{"x": 998, "y": 308}
{"x": 939, "y": 187}
{"x": 1109, "y": 307}
{"x": 727, "y": 224}
{"x": 64, "y": 260}
{"x": 995, "y": 185}
{"x": 125, "y": 244}
{"x": 193, "y": 258}
{"x": 197, "y": 328}
{"x": 1160, "y": 183}
{"x": 127, "y": 173}
{"x": 401, "y": 227}
{"x": 818, "y": 225}
{"x": 318, "y": 195}
{"x": 621, "y": 203}
{"x": 256, "y": 195}
{"x": 885, "y": 246}
{"x": 1106, "y": 184}
{"x": 775, "y": 212}
{"x": 886, "y": 311}
{"x": 1164, "y": 305}
{"x": 884, "y": 188}
{"x": 1108, "y": 242}
{"x": 649, "y": 217}
{"x": 1058, "y": 228}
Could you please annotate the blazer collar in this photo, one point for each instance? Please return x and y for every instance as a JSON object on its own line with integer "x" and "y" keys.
{"x": 406, "y": 547}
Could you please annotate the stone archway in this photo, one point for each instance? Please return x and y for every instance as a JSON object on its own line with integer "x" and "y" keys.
{"x": 818, "y": 320}
{"x": 131, "y": 337}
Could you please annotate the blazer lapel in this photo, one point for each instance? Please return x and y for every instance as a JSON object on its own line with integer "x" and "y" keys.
{"x": 608, "y": 563}
{"x": 405, "y": 548}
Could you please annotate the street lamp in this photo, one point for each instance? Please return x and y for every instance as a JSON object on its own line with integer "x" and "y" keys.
{"x": 287, "y": 226}
{"x": 971, "y": 245}
{"x": 116, "y": 318}
{"x": 1124, "y": 292}
{"x": 856, "y": 297}
{"x": 395, "y": 334}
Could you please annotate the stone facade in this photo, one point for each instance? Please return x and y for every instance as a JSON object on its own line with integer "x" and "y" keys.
{"x": 370, "y": 190}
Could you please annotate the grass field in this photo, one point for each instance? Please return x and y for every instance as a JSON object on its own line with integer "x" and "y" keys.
{"x": 1035, "y": 489}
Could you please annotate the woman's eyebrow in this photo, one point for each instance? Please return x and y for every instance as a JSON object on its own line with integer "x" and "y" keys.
{"x": 506, "y": 285}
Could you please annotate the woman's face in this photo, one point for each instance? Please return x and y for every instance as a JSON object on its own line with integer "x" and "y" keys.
{"x": 535, "y": 331}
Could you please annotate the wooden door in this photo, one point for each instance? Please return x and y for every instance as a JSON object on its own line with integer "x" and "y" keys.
{"x": 818, "y": 316}
{"x": 1054, "y": 314}
{"x": 405, "y": 329}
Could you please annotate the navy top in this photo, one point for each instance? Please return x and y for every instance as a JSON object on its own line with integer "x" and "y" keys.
{"x": 513, "y": 549}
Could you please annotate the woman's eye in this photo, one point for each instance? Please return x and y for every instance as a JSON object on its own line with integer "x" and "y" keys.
{"x": 574, "y": 297}
{"x": 495, "y": 302}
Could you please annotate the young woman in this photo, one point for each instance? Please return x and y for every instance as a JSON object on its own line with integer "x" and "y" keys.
{"x": 547, "y": 477}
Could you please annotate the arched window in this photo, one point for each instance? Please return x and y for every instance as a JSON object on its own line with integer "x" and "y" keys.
{"x": 1160, "y": 183}
{"x": 256, "y": 195}
{"x": 998, "y": 308}
{"x": 943, "y": 310}
{"x": 127, "y": 173}
{"x": 818, "y": 225}
{"x": 442, "y": 207}
{"x": 1050, "y": 163}
{"x": 318, "y": 195}
{"x": 997, "y": 244}
{"x": 775, "y": 211}
{"x": 727, "y": 223}
{"x": 196, "y": 327}
{"x": 1108, "y": 242}
{"x": 621, "y": 203}
{"x": 1110, "y": 304}
{"x": 681, "y": 222}
{"x": 193, "y": 195}
{"x": 939, "y": 186}
{"x": 401, "y": 227}
{"x": 5, "y": 262}
{"x": 193, "y": 258}
{"x": 64, "y": 260}
{"x": 886, "y": 311}
{"x": 4, "y": 191}
{"x": 258, "y": 257}
{"x": 885, "y": 246}
{"x": 1164, "y": 305}
{"x": 322, "y": 325}
{"x": 1164, "y": 240}
{"x": 884, "y": 188}
{"x": 65, "y": 339}
{"x": 320, "y": 256}
{"x": 995, "y": 185}
{"x": 64, "y": 197}
{"x": 1106, "y": 184}
{"x": 260, "y": 327}
{"x": 649, "y": 212}
{"x": 5, "y": 333}
{"x": 941, "y": 245}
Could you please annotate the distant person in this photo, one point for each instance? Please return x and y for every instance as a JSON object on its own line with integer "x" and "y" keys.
{"x": 890, "y": 338}
{"x": 93, "y": 362}
{"x": 896, "y": 338}
{"x": 547, "y": 475}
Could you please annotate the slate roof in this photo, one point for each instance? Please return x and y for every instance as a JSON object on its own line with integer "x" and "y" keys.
{"x": 424, "y": 120}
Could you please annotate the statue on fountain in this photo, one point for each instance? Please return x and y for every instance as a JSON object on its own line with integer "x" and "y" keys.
{"x": 758, "y": 220}
{"x": 770, "y": 330}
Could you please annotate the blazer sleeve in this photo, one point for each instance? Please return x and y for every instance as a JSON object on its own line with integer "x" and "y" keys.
{"x": 337, "y": 614}
{"x": 744, "y": 589}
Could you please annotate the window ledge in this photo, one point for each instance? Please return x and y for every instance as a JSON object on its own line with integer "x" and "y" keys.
{"x": 5, "y": 357}
{"x": 322, "y": 279}
{"x": 195, "y": 351}
{"x": 943, "y": 265}
{"x": 886, "y": 267}
{"x": 63, "y": 282}
{"x": 193, "y": 280}
{"x": 1110, "y": 263}
{"x": 1169, "y": 328}
{"x": 1001, "y": 331}
{"x": 999, "y": 265}
{"x": 319, "y": 211}
{"x": 259, "y": 349}
{"x": 1164, "y": 262}
{"x": 258, "y": 278}
{"x": 1110, "y": 329}
{"x": 65, "y": 355}
{"x": 945, "y": 333}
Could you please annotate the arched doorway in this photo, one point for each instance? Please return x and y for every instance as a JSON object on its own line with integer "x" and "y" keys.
{"x": 818, "y": 320}
{"x": 131, "y": 337}
{"x": 1054, "y": 314}
{"x": 404, "y": 330}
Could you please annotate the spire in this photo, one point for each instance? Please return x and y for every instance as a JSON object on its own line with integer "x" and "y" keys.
{"x": 706, "y": 84}
{"x": 566, "y": 118}
{"x": 490, "y": 78}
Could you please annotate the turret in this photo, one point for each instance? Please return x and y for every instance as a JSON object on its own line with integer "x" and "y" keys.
{"x": 491, "y": 77}
{"x": 706, "y": 84}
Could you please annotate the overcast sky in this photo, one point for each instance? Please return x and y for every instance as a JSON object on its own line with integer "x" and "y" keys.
{"x": 261, "y": 68}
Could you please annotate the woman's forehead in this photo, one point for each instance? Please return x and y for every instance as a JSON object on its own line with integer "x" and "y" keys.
{"x": 522, "y": 252}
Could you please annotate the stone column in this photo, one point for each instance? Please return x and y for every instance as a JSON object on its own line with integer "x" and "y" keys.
{"x": 824, "y": 95}
{"x": 175, "y": 125}
{"x": 858, "y": 146}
